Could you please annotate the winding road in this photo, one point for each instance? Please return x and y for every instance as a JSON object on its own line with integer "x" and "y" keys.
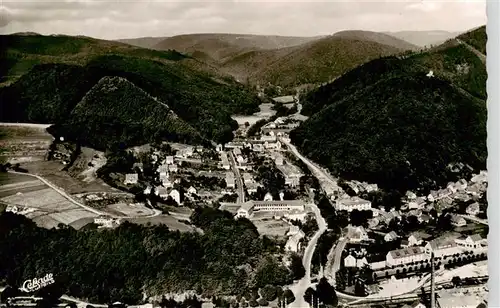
{"x": 236, "y": 171}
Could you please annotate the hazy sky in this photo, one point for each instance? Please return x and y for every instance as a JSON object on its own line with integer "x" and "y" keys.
{"x": 126, "y": 19}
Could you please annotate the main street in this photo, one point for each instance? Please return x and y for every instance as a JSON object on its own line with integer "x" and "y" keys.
{"x": 236, "y": 171}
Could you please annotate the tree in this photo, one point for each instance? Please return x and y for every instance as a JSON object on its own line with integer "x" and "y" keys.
{"x": 288, "y": 296}
{"x": 456, "y": 281}
{"x": 326, "y": 293}
{"x": 310, "y": 295}
{"x": 268, "y": 293}
{"x": 296, "y": 266}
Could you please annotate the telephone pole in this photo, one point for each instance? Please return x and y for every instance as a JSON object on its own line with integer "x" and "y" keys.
{"x": 433, "y": 295}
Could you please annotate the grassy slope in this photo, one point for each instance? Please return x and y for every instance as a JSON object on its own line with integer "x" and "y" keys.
{"x": 476, "y": 38}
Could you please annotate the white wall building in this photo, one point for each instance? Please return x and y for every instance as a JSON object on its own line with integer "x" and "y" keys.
{"x": 230, "y": 181}
{"x": 405, "y": 256}
{"x": 355, "y": 203}
{"x": 131, "y": 178}
{"x": 442, "y": 247}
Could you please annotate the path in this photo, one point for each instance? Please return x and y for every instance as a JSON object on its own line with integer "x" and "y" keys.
{"x": 29, "y": 125}
{"x": 72, "y": 200}
{"x": 474, "y": 50}
{"x": 337, "y": 257}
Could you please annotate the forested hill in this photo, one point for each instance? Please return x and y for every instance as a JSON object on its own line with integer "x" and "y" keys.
{"x": 48, "y": 92}
{"x": 451, "y": 61}
{"x": 400, "y": 132}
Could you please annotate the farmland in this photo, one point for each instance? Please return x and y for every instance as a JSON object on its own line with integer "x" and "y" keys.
{"x": 23, "y": 142}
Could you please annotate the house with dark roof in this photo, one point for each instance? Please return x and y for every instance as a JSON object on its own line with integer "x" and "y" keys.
{"x": 442, "y": 247}
{"x": 405, "y": 256}
{"x": 472, "y": 241}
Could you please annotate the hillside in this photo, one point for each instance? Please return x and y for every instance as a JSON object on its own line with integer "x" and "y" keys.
{"x": 320, "y": 61}
{"x": 221, "y": 47}
{"x": 476, "y": 38}
{"x": 116, "y": 111}
{"x": 451, "y": 61}
{"x": 47, "y": 93}
{"x": 377, "y": 37}
{"x": 424, "y": 38}
{"x": 143, "y": 42}
{"x": 399, "y": 132}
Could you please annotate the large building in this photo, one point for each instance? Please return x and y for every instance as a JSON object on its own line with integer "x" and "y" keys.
{"x": 248, "y": 208}
{"x": 230, "y": 180}
{"x": 442, "y": 247}
{"x": 291, "y": 173}
{"x": 405, "y": 256}
{"x": 225, "y": 161}
{"x": 354, "y": 203}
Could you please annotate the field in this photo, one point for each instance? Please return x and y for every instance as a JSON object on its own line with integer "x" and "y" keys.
{"x": 167, "y": 220}
{"x": 127, "y": 209}
{"x": 23, "y": 142}
{"x": 49, "y": 208}
{"x": 271, "y": 227}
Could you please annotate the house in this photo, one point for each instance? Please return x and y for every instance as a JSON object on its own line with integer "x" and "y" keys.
{"x": 386, "y": 217}
{"x": 173, "y": 168}
{"x": 148, "y": 190}
{"x": 293, "y": 243}
{"x": 191, "y": 190}
{"x": 257, "y": 147}
{"x": 252, "y": 187}
{"x": 451, "y": 187}
{"x": 225, "y": 161}
{"x": 472, "y": 241}
{"x": 162, "y": 170}
{"x": 247, "y": 178}
{"x": 473, "y": 209}
{"x": 415, "y": 239}
{"x": 442, "y": 247}
{"x": 416, "y": 304}
{"x": 268, "y": 197}
{"x": 278, "y": 160}
{"x": 131, "y": 178}
{"x": 106, "y": 222}
{"x": 219, "y": 148}
{"x": 186, "y": 152}
{"x": 139, "y": 166}
{"x": 405, "y": 256}
{"x": 458, "y": 221}
{"x": 350, "y": 261}
{"x": 176, "y": 196}
{"x": 424, "y": 218}
{"x": 357, "y": 234}
{"x": 230, "y": 181}
{"x": 482, "y": 177}
{"x": 411, "y": 195}
{"x": 360, "y": 263}
{"x": 354, "y": 203}
{"x": 291, "y": 173}
{"x": 270, "y": 139}
{"x": 391, "y": 236}
{"x": 162, "y": 192}
{"x": 461, "y": 185}
{"x": 169, "y": 160}
{"x": 165, "y": 181}
{"x": 417, "y": 203}
{"x": 237, "y": 151}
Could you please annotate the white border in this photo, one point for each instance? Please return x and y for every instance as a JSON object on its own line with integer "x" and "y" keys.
{"x": 492, "y": 61}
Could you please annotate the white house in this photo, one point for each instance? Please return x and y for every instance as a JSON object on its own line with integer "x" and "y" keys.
{"x": 278, "y": 160}
{"x": 442, "y": 247}
{"x": 354, "y": 203}
{"x": 230, "y": 181}
{"x": 131, "y": 178}
{"x": 473, "y": 209}
{"x": 357, "y": 234}
{"x": 268, "y": 197}
{"x": 162, "y": 170}
{"x": 458, "y": 221}
{"x": 225, "y": 161}
{"x": 293, "y": 243}
{"x": 237, "y": 151}
{"x": 162, "y": 192}
{"x": 192, "y": 190}
{"x": 176, "y": 195}
{"x": 106, "y": 222}
{"x": 415, "y": 239}
{"x": 350, "y": 261}
{"x": 247, "y": 178}
{"x": 391, "y": 236}
{"x": 169, "y": 160}
{"x": 360, "y": 263}
{"x": 405, "y": 256}
{"x": 472, "y": 241}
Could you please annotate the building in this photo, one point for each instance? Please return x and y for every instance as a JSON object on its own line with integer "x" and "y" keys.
{"x": 405, "y": 256}
{"x": 248, "y": 208}
{"x": 252, "y": 187}
{"x": 458, "y": 221}
{"x": 279, "y": 160}
{"x": 139, "y": 166}
{"x": 237, "y": 151}
{"x": 192, "y": 190}
{"x": 350, "y": 261}
{"x": 357, "y": 234}
{"x": 247, "y": 178}
{"x": 131, "y": 178}
{"x": 173, "y": 168}
{"x": 268, "y": 197}
{"x": 230, "y": 180}
{"x": 294, "y": 241}
{"x": 169, "y": 160}
{"x": 472, "y": 241}
{"x": 473, "y": 209}
{"x": 186, "y": 152}
{"x": 106, "y": 222}
{"x": 176, "y": 195}
{"x": 225, "y": 161}
{"x": 162, "y": 170}
{"x": 162, "y": 192}
{"x": 415, "y": 239}
{"x": 354, "y": 203}
{"x": 291, "y": 173}
{"x": 391, "y": 236}
{"x": 360, "y": 263}
{"x": 482, "y": 177}
{"x": 442, "y": 247}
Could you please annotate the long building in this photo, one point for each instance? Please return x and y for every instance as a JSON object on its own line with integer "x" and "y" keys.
{"x": 248, "y": 208}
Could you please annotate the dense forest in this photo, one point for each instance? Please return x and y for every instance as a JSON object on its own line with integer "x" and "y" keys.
{"x": 48, "y": 92}
{"x": 399, "y": 132}
{"x": 106, "y": 265}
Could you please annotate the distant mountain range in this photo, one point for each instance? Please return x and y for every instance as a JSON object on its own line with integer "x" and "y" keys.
{"x": 424, "y": 38}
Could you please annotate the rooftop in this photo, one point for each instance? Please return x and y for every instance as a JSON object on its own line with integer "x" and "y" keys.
{"x": 406, "y": 252}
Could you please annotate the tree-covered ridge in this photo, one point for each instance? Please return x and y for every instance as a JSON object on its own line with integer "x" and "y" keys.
{"x": 120, "y": 264}
{"x": 115, "y": 111}
{"x": 451, "y": 61}
{"x": 49, "y": 92}
{"x": 399, "y": 132}
{"x": 476, "y": 38}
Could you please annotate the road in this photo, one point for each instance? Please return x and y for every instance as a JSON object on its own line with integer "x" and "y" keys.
{"x": 300, "y": 287}
{"x": 75, "y": 202}
{"x": 29, "y": 125}
{"x": 327, "y": 182}
{"x": 337, "y": 257}
{"x": 236, "y": 171}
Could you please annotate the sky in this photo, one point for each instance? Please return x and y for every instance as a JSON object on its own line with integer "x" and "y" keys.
{"x": 143, "y": 18}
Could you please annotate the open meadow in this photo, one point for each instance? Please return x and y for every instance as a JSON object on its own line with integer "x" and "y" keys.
{"x": 23, "y": 142}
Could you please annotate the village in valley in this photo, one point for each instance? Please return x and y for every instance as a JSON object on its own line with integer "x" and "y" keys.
{"x": 381, "y": 255}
